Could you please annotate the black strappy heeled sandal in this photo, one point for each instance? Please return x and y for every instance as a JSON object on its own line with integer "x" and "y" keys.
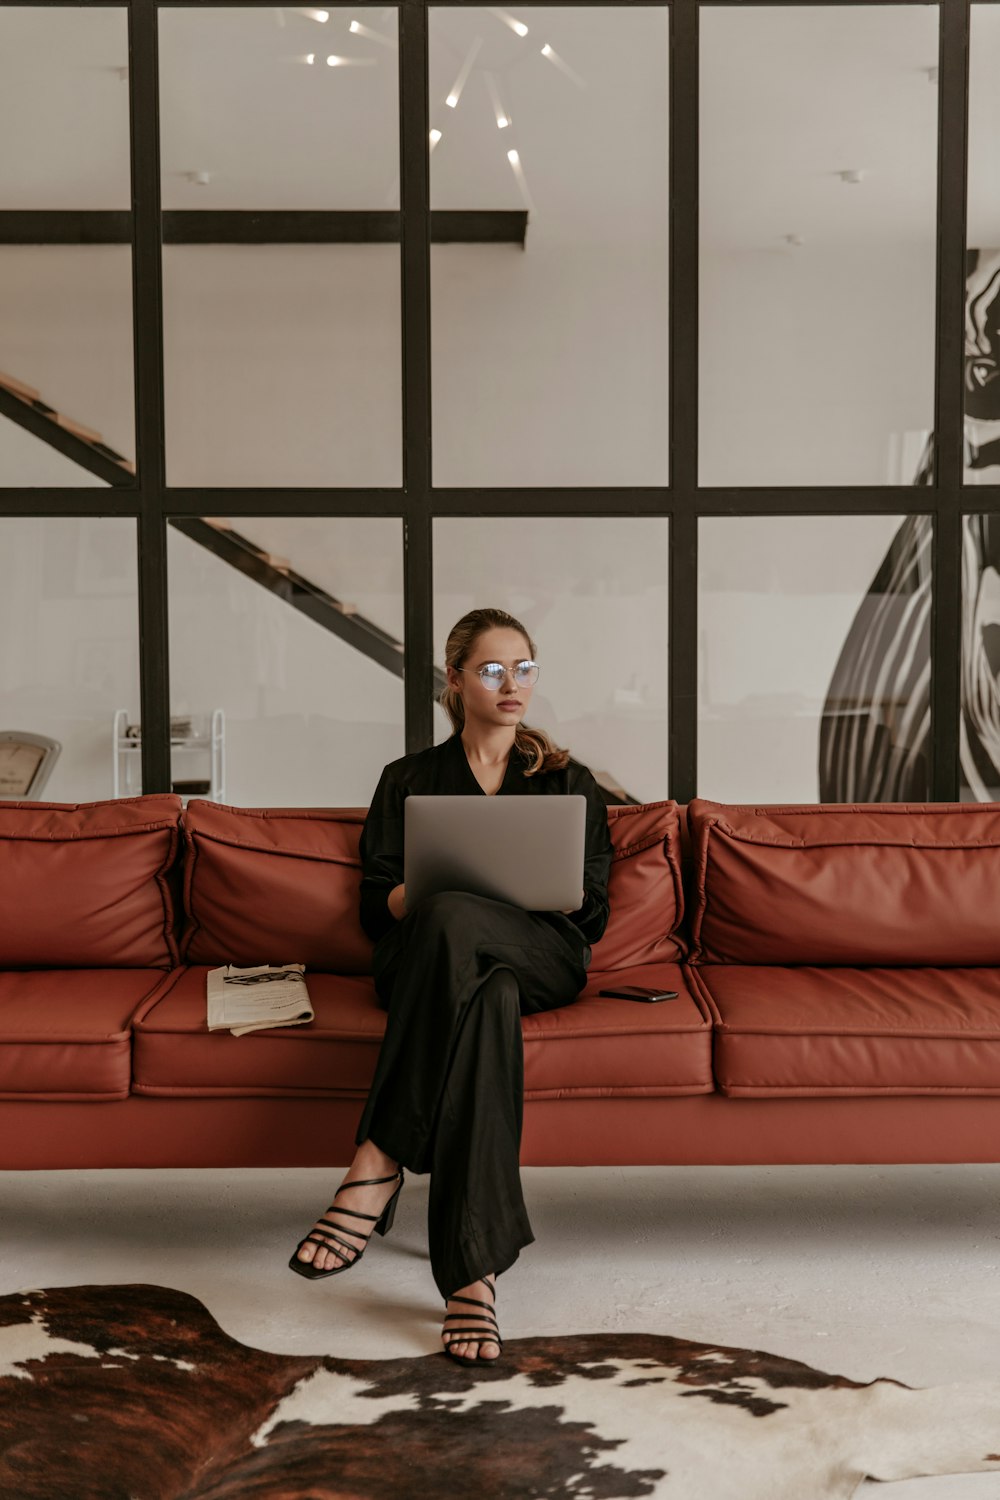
{"x": 462, "y": 1335}
{"x": 383, "y": 1223}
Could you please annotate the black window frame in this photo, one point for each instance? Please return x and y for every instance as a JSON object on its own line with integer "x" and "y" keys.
{"x": 149, "y": 500}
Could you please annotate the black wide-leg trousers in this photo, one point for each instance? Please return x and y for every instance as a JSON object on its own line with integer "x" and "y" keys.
{"x": 455, "y": 976}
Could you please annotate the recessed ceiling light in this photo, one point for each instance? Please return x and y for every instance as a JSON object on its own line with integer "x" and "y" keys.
{"x": 509, "y": 20}
{"x": 466, "y": 68}
{"x": 564, "y": 67}
{"x": 502, "y": 117}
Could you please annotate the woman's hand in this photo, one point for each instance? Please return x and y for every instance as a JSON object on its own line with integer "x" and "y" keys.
{"x": 397, "y": 901}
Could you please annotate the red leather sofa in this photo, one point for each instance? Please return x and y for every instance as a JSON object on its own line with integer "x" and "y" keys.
{"x": 838, "y": 970}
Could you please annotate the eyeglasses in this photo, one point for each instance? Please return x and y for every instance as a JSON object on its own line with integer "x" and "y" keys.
{"x": 493, "y": 674}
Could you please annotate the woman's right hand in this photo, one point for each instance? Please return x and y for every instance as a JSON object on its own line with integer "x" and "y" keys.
{"x": 397, "y": 901}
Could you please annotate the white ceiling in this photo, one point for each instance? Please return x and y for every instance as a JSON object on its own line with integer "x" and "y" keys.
{"x": 791, "y": 96}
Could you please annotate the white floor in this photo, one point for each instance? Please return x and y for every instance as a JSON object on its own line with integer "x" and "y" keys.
{"x": 861, "y": 1271}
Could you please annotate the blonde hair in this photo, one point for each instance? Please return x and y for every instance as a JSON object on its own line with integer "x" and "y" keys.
{"x": 535, "y": 744}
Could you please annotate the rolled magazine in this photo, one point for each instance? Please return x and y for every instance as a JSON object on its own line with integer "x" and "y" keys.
{"x": 256, "y": 998}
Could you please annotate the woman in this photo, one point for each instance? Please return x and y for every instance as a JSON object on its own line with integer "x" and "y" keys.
{"x": 456, "y": 973}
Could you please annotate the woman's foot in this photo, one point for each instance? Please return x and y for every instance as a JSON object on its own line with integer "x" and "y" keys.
{"x": 463, "y": 1318}
{"x": 368, "y": 1162}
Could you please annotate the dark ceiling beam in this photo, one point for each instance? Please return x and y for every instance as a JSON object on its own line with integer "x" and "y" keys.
{"x": 252, "y": 227}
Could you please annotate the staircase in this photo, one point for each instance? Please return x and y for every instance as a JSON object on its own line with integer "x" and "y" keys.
{"x": 218, "y": 535}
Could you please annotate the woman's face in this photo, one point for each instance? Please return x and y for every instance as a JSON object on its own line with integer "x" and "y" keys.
{"x": 507, "y": 704}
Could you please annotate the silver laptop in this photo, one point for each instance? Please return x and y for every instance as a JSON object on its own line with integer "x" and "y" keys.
{"x": 525, "y": 850}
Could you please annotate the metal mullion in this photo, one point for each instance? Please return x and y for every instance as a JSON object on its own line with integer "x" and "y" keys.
{"x": 663, "y": 501}
{"x": 533, "y": 500}
{"x": 147, "y": 304}
{"x": 52, "y": 501}
{"x": 682, "y": 301}
{"x": 414, "y": 176}
{"x": 235, "y": 501}
{"x": 818, "y": 501}
{"x": 949, "y": 400}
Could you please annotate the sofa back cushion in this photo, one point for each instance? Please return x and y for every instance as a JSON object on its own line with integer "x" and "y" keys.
{"x": 85, "y": 885}
{"x": 273, "y": 885}
{"x": 644, "y": 888}
{"x": 876, "y": 883}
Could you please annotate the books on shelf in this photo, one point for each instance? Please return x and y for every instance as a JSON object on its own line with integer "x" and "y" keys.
{"x": 256, "y": 998}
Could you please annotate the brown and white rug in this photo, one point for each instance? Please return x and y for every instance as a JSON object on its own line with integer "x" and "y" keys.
{"x": 134, "y": 1392}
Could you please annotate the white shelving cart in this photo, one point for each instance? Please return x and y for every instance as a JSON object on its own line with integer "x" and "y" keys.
{"x": 197, "y": 755}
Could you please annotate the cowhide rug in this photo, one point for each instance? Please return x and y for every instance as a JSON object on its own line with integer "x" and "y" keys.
{"x": 135, "y": 1393}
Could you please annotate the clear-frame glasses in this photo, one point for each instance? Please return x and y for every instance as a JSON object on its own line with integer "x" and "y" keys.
{"x": 492, "y": 674}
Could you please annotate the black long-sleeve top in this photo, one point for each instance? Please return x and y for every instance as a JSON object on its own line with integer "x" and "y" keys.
{"x": 445, "y": 768}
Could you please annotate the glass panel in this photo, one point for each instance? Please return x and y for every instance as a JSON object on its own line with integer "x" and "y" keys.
{"x": 979, "y": 740}
{"x": 982, "y": 277}
{"x": 69, "y": 655}
{"x": 549, "y": 341}
{"x": 817, "y": 219}
{"x": 814, "y": 658}
{"x": 282, "y": 359}
{"x": 298, "y": 699}
{"x": 66, "y": 391}
{"x": 593, "y": 595}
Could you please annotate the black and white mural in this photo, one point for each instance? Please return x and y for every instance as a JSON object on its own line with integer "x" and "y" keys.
{"x": 874, "y": 743}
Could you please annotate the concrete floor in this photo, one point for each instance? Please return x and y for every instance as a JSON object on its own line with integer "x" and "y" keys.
{"x": 861, "y": 1271}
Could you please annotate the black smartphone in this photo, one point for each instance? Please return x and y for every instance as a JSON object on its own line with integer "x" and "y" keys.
{"x": 638, "y": 992}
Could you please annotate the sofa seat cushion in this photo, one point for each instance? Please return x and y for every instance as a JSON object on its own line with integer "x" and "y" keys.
{"x": 590, "y": 1048}
{"x": 615, "y": 1048}
{"x": 333, "y": 1055}
{"x": 65, "y": 1033}
{"x": 791, "y": 1031}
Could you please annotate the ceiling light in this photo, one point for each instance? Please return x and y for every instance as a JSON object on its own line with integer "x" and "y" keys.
{"x": 459, "y": 84}
{"x": 317, "y": 15}
{"x": 502, "y": 117}
{"x": 554, "y": 57}
{"x": 310, "y": 58}
{"x": 360, "y": 29}
{"x": 518, "y": 170}
{"x": 509, "y": 20}
{"x": 435, "y": 137}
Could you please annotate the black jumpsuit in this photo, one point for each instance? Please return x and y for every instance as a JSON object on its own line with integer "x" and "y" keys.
{"x": 455, "y": 975}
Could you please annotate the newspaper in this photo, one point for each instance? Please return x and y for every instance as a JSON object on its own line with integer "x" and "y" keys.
{"x": 256, "y": 998}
